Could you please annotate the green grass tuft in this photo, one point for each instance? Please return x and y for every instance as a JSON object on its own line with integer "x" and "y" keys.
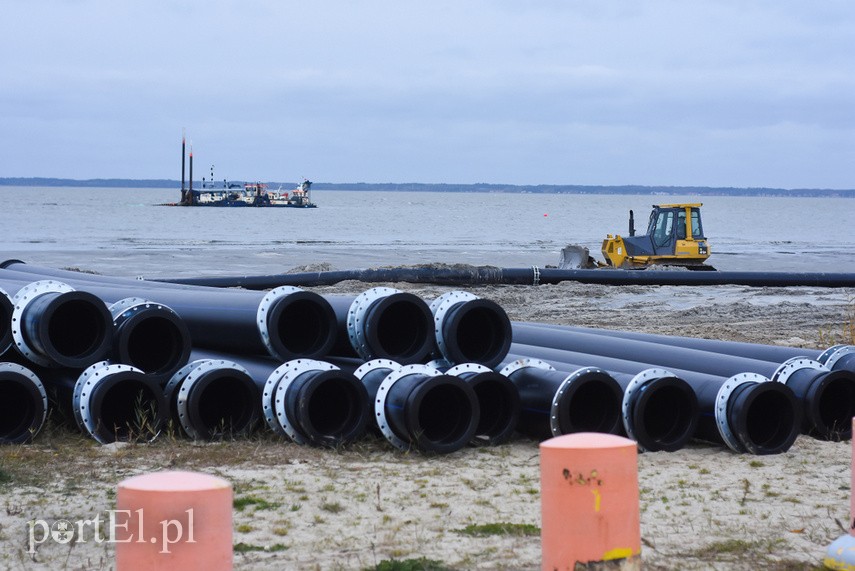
{"x": 518, "y": 529}
{"x": 259, "y": 503}
{"x": 420, "y": 564}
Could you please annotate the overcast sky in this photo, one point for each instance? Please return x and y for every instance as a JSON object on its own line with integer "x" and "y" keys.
{"x": 710, "y": 93}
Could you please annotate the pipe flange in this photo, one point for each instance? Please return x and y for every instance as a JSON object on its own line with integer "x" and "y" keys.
{"x": 440, "y": 364}
{"x": 82, "y": 395}
{"x": 178, "y": 377}
{"x": 468, "y": 368}
{"x": 840, "y": 351}
{"x": 440, "y": 307}
{"x": 790, "y": 366}
{"x": 634, "y": 385}
{"x": 512, "y": 368}
{"x": 264, "y": 307}
{"x": 373, "y": 365}
{"x": 202, "y": 366}
{"x": 21, "y": 300}
{"x": 721, "y": 399}
{"x": 31, "y": 376}
{"x": 382, "y": 393}
{"x": 829, "y": 352}
{"x": 127, "y": 304}
{"x": 286, "y": 374}
{"x": 356, "y": 317}
{"x": 554, "y": 423}
{"x": 535, "y": 276}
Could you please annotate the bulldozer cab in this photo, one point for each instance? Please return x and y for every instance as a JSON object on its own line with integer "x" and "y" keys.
{"x": 670, "y": 223}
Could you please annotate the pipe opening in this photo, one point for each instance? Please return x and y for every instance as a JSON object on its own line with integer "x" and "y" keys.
{"x": 666, "y": 414}
{"x": 764, "y": 417}
{"x": 156, "y": 345}
{"x": 302, "y": 326}
{"x": 444, "y": 415}
{"x": 399, "y": 328}
{"x": 6, "y": 309}
{"x": 591, "y": 404}
{"x": 478, "y": 332}
{"x": 836, "y": 406}
{"x": 18, "y": 411}
{"x": 76, "y": 329}
{"x": 499, "y": 404}
{"x": 128, "y": 410}
{"x": 335, "y": 409}
{"x": 222, "y": 404}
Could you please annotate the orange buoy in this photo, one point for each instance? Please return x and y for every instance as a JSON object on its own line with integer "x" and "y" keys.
{"x": 589, "y": 502}
{"x": 173, "y": 520}
{"x": 841, "y": 553}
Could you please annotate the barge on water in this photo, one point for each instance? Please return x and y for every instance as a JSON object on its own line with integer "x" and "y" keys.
{"x": 247, "y": 194}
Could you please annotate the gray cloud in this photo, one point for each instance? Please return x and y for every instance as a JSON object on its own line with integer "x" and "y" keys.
{"x": 662, "y": 92}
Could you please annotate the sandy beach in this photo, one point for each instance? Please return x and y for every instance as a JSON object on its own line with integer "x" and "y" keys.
{"x": 702, "y": 507}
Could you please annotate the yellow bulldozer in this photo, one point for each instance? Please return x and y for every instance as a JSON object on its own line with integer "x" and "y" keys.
{"x": 675, "y": 237}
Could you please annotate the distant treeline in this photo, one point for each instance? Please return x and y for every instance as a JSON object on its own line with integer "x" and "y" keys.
{"x": 478, "y": 187}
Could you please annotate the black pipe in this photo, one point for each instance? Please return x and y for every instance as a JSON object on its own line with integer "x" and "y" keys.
{"x": 555, "y": 403}
{"x": 745, "y": 412}
{"x": 52, "y": 324}
{"x": 418, "y": 407}
{"x": 839, "y": 358}
{"x": 330, "y": 409}
{"x": 112, "y": 402}
{"x": 475, "y": 275}
{"x": 659, "y": 409}
{"x": 315, "y": 402}
{"x": 213, "y": 399}
{"x": 23, "y": 404}
{"x": 772, "y": 353}
{"x": 383, "y": 323}
{"x": 149, "y": 336}
{"x": 828, "y": 397}
{"x": 470, "y": 329}
{"x": 285, "y": 322}
{"x": 371, "y": 374}
{"x": 498, "y": 403}
{"x": 34, "y": 272}
{"x": 6, "y": 308}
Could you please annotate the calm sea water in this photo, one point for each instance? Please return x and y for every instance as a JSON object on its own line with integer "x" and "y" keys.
{"x": 125, "y": 232}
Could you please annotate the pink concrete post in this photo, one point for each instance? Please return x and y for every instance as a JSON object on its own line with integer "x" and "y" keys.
{"x": 173, "y": 520}
{"x": 589, "y": 503}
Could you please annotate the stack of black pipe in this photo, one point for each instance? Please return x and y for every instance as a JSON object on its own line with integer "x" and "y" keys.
{"x": 115, "y": 355}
